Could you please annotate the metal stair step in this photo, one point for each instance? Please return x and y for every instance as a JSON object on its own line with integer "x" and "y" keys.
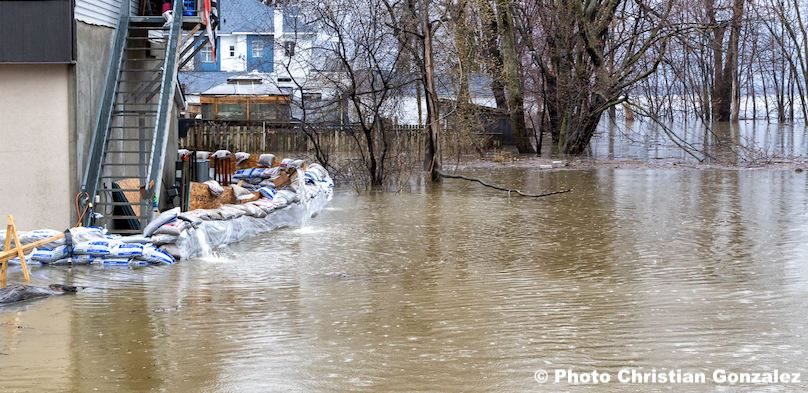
{"x": 154, "y": 27}
{"x": 141, "y": 203}
{"x": 119, "y": 189}
{"x": 124, "y": 177}
{"x": 136, "y": 80}
{"x": 130, "y": 217}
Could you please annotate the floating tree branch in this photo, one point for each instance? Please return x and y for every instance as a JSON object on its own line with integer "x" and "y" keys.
{"x": 496, "y": 187}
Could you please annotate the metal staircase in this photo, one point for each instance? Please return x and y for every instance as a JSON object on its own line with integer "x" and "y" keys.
{"x": 128, "y": 149}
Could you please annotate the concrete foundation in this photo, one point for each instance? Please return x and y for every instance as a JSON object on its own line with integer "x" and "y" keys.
{"x": 93, "y": 46}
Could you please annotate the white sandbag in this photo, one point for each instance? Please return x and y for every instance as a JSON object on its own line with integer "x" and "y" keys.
{"x": 97, "y": 248}
{"x": 265, "y": 160}
{"x": 62, "y": 262}
{"x": 247, "y": 173}
{"x": 202, "y": 155}
{"x": 82, "y": 259}
{"x": 241, "y": 157}
{"x": 182, "y": 153}
{"x": 161, "y": 239}
{"x": 164, "y": 218}
{"x": 317, "y": 167}
{"x": 298, "y": 163}
{"x": 214, "y": 187}
{"x": 251, "y": 210}
{"x": 267, "y": 192}
{"x": 286, "y": 162}
{"x": 290, "y": 196}
{"x": 221, "y": 154}
{"x": 212, "y": 214}
{"x": 230, "y": 212}
{"x": 172, "y": 250}
{"x": 173, "y": 228}
{"x": 43, "y": 255}
{"x": 271, "y": 173}
{"x": 155, "y": 255}
{"x": 243, "y": 194}
{"x": 280, "y": 201}
{"x": 126, "y": 250}
{"x": 109, "y": 261}
{"x": 86, "y": 234}
{"x": 195, "y": 216}
{"x": 39, "y": 234}
{"x": 140, "y": 239}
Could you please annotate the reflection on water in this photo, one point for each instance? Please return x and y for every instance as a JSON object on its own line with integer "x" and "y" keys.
{"x": 734, "y": 143}
{"x": 450, "y": 289}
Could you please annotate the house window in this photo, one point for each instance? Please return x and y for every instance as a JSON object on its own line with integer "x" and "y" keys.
{"x": 312, "y": 97}
{"x": 232, "y": 112}
{"x": 263, "y": 112}
{"x": 206, "y": 54}
{"x": 289, "y": 48}
{"x": 258, "y": 49}
{"x": 232, "y": 51}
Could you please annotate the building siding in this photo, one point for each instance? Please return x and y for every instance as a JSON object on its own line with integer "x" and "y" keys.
{"x": 36, "y": 31}
{"x": 101, "y": 12}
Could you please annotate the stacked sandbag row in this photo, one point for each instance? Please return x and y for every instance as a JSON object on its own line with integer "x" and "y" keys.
{"x": 231, "y": 223}
{"x": 91, "y": 245}
{"x": 160, "y": 242}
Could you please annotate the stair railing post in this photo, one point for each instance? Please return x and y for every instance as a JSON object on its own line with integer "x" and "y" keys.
{"x": 154, "y": 181}
{"x": 98, "y": 142}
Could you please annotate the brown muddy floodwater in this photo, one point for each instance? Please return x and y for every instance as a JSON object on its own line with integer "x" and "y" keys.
{"x": 456, "y": 288}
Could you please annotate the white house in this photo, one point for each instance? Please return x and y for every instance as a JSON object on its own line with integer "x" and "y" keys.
{"x": 275, "y": 43}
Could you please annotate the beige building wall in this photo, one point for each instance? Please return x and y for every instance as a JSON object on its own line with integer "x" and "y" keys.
{"x": 35, "y": 129}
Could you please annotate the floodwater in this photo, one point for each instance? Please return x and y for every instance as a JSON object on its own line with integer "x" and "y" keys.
{"x": 742, "y": 143}
{"x": 455, "y": 288}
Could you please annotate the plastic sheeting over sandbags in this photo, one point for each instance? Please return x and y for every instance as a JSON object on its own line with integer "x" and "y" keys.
{"x": 285, "y": 209}
{"x": 194, "y": 233}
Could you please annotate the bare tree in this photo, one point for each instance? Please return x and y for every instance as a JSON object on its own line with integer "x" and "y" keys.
{"x": 572, "y": 43}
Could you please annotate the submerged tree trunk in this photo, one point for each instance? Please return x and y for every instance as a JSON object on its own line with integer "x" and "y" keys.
{"x": 512, "y": 67}
{"x": 432, "y": 161}
{"x": 725, "y": 60}
{"x": 495, "y": 62}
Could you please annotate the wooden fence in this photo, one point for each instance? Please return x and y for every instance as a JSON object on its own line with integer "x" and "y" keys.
{"x": 281, "y": 138}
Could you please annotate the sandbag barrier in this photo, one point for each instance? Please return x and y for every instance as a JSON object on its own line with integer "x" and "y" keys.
{"x": 175, "y": 235}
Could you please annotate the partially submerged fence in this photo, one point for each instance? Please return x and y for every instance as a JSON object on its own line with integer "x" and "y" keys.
{"x": 290, "y": 137}
{"x": 280, "y": 138}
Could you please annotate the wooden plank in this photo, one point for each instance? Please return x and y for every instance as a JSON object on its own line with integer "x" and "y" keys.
{"x": 133, "y": 197}
{"x": 25, "y": 273}
{"x": 4, "y": 264}
{"x": 9, "y": 254}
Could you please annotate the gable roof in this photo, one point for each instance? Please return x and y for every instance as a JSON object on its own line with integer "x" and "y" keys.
{"x": 195, "y": 82}
{"x": 239, "y": 16}
{"x": 251, "y": 84}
